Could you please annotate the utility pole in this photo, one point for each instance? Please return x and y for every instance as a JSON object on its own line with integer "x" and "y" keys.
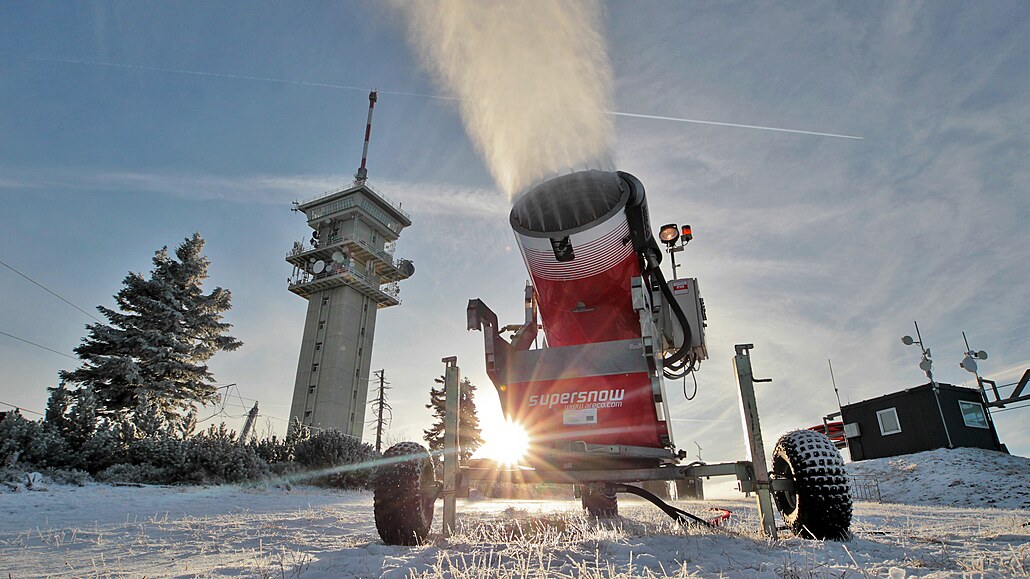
{"x": 380, "y": 407}
{"x": 248, "y": 425}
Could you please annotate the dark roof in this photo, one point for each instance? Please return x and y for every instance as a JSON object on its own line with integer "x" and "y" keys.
{"x": 907, "y": 391}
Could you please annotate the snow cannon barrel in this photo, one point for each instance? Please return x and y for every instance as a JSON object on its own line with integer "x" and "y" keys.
{"x": 582, "y": 236}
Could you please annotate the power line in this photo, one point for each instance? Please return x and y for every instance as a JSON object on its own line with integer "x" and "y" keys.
{"x": 21, "y": 409}
{"x": 51, "y": 292}
{"x": 38, "y": 345}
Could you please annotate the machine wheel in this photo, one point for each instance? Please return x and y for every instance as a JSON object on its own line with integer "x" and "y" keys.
{"x": 404, "y": 495}
{"x": 820, "y": 505}
{"x": 600, "y": 502}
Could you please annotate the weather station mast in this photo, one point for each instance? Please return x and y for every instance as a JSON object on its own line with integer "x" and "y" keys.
{"x": 347, "y": 272}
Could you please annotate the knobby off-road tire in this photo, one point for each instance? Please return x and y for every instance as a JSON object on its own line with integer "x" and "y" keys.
{"x": 404, "y": 495}
{"x": 600, "y": 503}
{"x": 820, "y": 505}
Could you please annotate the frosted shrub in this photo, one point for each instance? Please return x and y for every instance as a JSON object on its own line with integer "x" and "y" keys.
{"x": 102, "y": 450}
{"x": 273, "y": 450}
{"x": 34, "y": 445}
{"x": 134, "y": 473}
{"x": 336, "y": 459}
{"x": 163, "y": 452}
{"x": 213, "y": 457}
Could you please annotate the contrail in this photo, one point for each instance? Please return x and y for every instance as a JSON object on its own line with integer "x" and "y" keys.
{"x": 411, "y": 94}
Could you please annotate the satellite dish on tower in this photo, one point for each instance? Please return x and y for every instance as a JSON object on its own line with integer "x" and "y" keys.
{"x": 318, "y": 267}
{"x": 968, "y": 364}
{"x": 406, "y": 267}
{"x": 907, "y": 340}
{"x": 925, "y": 365}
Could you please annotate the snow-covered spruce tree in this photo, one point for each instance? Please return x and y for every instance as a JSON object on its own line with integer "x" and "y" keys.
{"x": 469, "y": 435}
{"x": 56, "y": 417}
{"x": 158, "y": 340}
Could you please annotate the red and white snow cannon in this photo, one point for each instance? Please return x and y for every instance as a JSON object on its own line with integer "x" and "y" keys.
{"x": 583, "y": 374}
{"x": 593, "y": 394}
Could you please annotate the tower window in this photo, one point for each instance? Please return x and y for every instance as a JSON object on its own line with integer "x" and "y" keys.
{"x": 325, "y": 301}
{"x": 321, "y": 325}
{"x": 314, "y": 367}
{"x": 307, "y": 414}
{"x": 318, "y": 346}
{"x": 311, "y": 389}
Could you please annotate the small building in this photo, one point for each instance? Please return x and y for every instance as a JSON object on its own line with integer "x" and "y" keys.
{"x": 921, "y": 418}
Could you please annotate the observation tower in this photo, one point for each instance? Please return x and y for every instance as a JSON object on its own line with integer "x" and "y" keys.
{"x": 347, "y": 271}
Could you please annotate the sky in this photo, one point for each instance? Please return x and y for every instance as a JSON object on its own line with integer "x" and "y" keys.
{"x": 127, "y": 126}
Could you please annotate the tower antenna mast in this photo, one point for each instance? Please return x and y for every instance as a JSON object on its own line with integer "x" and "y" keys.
{"x": 362, "y": 175}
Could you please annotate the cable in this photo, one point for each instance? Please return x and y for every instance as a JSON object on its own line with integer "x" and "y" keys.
{"x": 38, "y": 345}
{"x": 20, "y": 409}
{"x": 691, "y": 397}
{"x": 53, "y": 293}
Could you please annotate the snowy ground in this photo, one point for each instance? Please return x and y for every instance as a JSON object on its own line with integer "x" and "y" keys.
{"x": 961, "y": 477}
{"x": 100, "y": 530}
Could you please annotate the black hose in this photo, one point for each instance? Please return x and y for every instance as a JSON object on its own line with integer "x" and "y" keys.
{"x": 679, "y": 515}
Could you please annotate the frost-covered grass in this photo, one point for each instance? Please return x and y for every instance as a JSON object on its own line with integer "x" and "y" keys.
{"x": 99, "y": 530}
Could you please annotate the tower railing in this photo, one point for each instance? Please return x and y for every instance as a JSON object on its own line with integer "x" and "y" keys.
{"x": 300, "y": 248}
{"x": 362, "y": 279}
{"x": 393, "y": 204}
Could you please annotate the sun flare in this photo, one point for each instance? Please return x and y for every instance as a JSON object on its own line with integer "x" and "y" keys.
{"x": 506, "y": 443}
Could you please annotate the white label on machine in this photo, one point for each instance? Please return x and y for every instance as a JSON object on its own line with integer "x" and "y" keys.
{"x": 680, "y": 286}
{"x": 580, "y": 416}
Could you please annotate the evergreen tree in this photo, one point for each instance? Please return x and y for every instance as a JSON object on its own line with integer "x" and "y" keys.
{"x": 158, "y": 340}
{"x": 469, "y": 435}
{"x": 82, "y": 422}
{"x": 56, "y": 417}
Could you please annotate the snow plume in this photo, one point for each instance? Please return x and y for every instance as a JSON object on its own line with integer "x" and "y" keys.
{"x": 532, "y": 78}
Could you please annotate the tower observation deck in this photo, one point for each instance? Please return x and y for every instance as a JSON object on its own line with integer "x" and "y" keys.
{"x": 347, "y": 272}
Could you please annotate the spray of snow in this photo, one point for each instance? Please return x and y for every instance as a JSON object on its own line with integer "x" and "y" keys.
{"x": 532, "y": 80}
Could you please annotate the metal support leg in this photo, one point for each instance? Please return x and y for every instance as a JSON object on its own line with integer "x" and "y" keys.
{"x": 754, "y": 447}
{"x": 452, "y": 385}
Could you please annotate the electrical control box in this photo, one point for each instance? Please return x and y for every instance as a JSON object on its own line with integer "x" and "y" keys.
{"x": 688, "y": 297}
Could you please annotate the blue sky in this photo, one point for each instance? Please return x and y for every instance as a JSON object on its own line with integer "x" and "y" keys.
{"x": 126, "y": 126}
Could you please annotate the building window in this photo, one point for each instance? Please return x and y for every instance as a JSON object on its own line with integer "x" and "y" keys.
{"x": 311, "y": 389}
{"x": 307, "y": 415}
{"x": 321, "y": 325}
{"x": 973, "y": 414}
{"x": 325, "y": 301}
{"x": 314, "y": 367}
{"x": 889, "y": 423}
{"x": 318, "y": 346}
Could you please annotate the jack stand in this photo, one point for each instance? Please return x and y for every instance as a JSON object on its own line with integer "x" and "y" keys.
{"x": 451, "y": 451}
{"x": 753, "y": 437}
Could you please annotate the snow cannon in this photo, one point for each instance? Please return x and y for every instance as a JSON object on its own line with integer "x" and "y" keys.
{"x": 584, "y": 374}
{"x": 612, "y": 325}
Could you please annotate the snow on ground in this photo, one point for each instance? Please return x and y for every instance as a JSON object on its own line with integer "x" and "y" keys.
{"x": 959, "y": 477}
{"x": 99, "y": 530}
